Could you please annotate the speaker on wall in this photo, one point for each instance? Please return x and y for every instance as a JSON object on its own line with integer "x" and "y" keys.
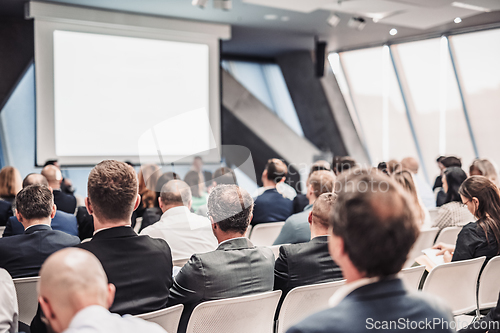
{"x": 320, "y": 51}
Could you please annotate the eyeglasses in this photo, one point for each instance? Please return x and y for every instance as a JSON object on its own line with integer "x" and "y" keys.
{"x": 465, "y": 203}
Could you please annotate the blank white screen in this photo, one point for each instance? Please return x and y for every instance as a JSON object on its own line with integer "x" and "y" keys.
{"x": 111, "y": 90}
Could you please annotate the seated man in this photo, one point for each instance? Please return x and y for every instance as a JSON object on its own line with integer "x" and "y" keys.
{"x": 64, "y": 201}
{"x": 296, "y": 228}
{"x": 8, "y": 304}
{"x": 236, "y": 268}
{"x": 301, "y": 201}
{"x": 62, "y": 221}
{"x": 271, "y": 206}
{"x": 223, "y": 175}
{"x": 75, "y": 296}
{"x": 308, "y": 263}
{"x": 186, "y": 233}
{"x": 23, "y": 255}
{"x": 373, "y": 228}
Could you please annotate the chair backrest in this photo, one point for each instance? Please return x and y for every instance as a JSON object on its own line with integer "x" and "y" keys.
{"x": 456, "y": 283}
{"x": 424, "y": 241}
{"x": 248, "y": 232}
{"x": 448, "y": 235}
{"x": 433, "y": 213}
{"x": 167, "y": 318}
{"x": 246, "y": 314}
{"x": 489, "y": 286}
{"x": 265, "y": 234}
{"x": 1, "y": 231}
{"x": 303, "y": 301}
{"x": 180, "y": 262}
{"x": 412, "y": 276}
{"x": 276, "y": 250}
{"x": 27, "y": 298}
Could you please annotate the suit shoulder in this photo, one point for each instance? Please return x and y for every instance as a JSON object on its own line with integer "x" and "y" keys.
{"x": 158, "y": 243}
{"x": 328, "y": 320}
{"x": 67, "y": 237}
{"x": 62, "y": 214}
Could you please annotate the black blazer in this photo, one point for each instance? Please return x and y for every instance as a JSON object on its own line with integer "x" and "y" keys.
{"x": 271, "y": 206}
{"x": 23, "y": 255}
{"x": 140, "y": 267}
{"x": 304, "y": 264}
{"x": 65, "y": 202}
{"x": 5, "y": 211}
{"x": 62, "y": 222}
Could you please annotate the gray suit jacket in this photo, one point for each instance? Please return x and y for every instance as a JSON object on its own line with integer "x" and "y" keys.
{"x": 235, "y": 268}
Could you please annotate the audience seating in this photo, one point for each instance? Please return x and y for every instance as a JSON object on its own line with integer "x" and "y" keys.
{"x": 246, "y": 314}
{"x": 489, "y": 288}
{"x": 448, "y": 235}
{"x": 433, "y": 213}
{"x": 167, "y": 318}
{"x": 138, "y": 224}
{"x": 1, "y": 231}
{"x": 180, "y": 262}
{"x": 265, "y": 234}
{"x": 276, "y": 250}
{"x": 249, "y": 231}
{"x": 303, "y": 301}
{"x": 27, "y": 298}
{"x": 456, "y": 282}
{"x": 424, "y": 241}
{"x": 412, "y": 276}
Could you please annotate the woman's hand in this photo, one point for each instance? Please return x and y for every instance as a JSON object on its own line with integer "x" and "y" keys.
{"x": 443, "y": 247}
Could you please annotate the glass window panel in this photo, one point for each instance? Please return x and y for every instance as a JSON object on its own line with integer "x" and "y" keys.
{"x": 434, "y": 101}
{"x": 477, "y": 57}
{"x": 379, "y": 104}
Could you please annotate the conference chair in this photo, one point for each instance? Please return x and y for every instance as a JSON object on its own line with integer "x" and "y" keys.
{"x": 167, "y": 318}
{"x": 433, "y": 213}
{"x": 265, "y": 234}
{"x": 27, "y": 298}
{"x": 424, "y": 241}
{"x": 303, "y": 301}
{"x": 448, "y": 235}
{"x": 412, "y": 276}
{"x": 276, "y": 250}
{"x": 456, "y": 283}
{"x": 246, "y": 314}
{"x": 1, "y": 231}
{"x": 180, "y": 262}
{"x": 248, "y": 232}
{"x": 489, "y": 287}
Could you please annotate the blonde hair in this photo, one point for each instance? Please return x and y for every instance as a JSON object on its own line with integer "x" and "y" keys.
{"x": 486, "y": 168}
{"x": 10, "y": 182}
{"x": 405, "y": 179}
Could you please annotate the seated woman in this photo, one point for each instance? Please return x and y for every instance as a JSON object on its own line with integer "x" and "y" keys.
{"x": 453, "y": 213}
{"x": 200, "y": 197}
{"x": 480, "y": 238}
{"x": 10, "y": 185}
{"x": 483, "y": 167}
{"x": 405, "y": 178}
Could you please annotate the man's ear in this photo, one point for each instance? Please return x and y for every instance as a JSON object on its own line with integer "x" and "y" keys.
{"x": 111, "y": 295}
{"x": 310, "y": 217}
{"x": 160, "y": 203}
{"x": 137, "y": 201}
{"x": 19, "y": 216}
{"x": 88, "y": 205}
{"x": 53, "y": 213}
{"x": 189, "y": 204}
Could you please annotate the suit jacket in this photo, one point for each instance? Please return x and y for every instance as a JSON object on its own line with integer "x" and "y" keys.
{"x": 5, "y": 211}
{"x": 140, "y": 267}
{"x": 23, "y": 255}
{"x": 85, "y": 223}
{"x": 65, "y": 202}
{"x": 61, "y": 222}
{"x": 236, "y": 268}
{"x": 296, "y": 228}
{"x": 271, "y": 206}
{"x": 299, "y": 203}
{"x": 372, "y": 305}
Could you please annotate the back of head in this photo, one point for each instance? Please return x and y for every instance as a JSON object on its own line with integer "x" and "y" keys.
{"x": 52, "y": 174}
{"x": 341, "y": 164}
{"x": 405, "y": 179}
{"x": 411, "y": 164}
{"x": 35, "y": 202}
{"x": 323, "y": 209}
{"x": 276, "y": 170}
{"x": 224, "y": 176}
{"x": 393, "y": 166}
{"x": 51, "y": 162}
{"x": 321, "y": 182}
{"x": 192, "y": 178}
{"x": 10, "y": 182}
{"x": 112, "y": 190}
{"x": 376, "y": 221}
{"x": 35, "y": 178}
{"x": 485, "y": 168}
{"x": 231, "y": 207}
{"x": 176, "y": 192}
{"x": 320, "y": 165}
{"x": 455, "y": 176}
{"x": 451, "y": 161}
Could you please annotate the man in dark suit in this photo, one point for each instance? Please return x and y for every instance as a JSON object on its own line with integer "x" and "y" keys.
{"x": 272, "y": 206}
{"x": 235, "y": 268}
{"x": 308, "y": 263}
{"x": 62, "y": 221}
{"x": 373, "y": 227}
{"x": 65, "y": 202}
{"x": 23, "y": 255}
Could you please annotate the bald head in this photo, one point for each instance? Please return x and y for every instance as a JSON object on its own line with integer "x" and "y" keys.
{"x": 410, "y": 164}
{"x": 53, "y": 176}
{"x": 71, "y": 280}
{"x": 35, "y": 179}
{"x": 176, "y": 193}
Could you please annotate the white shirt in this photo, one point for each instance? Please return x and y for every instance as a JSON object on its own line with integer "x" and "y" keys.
{"x": 95, "y": 319}
{"x": 8, "y": 303}
{"x": 186, "y": 233}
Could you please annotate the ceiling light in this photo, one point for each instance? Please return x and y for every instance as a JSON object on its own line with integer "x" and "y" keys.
{"x": 470, "y": 7}
{"x": 333, "y": 20}
{"x": 270, "y": 17}
{"x": 223, "y": 4}
{"x": 457, "y": 20}
{"x": 199, "y": 3}
{"x": 393, "y": 31}
{"x": 356, "y": 23}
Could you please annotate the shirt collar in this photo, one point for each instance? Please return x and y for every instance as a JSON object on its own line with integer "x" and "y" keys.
{"x": 95, "y": 232}
{"x": 348, "y": 288}
{"x": 176, "y": 211}
{"x": 92, "y": 311}
{"x": 231, "y": 239}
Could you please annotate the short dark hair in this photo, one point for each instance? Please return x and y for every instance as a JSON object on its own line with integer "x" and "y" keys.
{"x": 35, "y": 202}
{"x": 342, "y": 163}
{"x": 377, "y": 223}
{"x": 230, "y": 206}
{"x": 225, "y": 176}
{"x": 455, "y": 176}
{"x": 112, "y": 190}
{"x": 50, "y": 162}
{"x": 451, "y": 161}
{"x": 276, "y": 170}
{"x": 35, "y": 178}
{"x": 322, "y": 182}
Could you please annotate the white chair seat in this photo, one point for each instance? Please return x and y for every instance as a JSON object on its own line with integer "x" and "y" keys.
{"x": 265, "y": 234}
{"x": 412, "y": 276}
{"x": 424, "y": 241}
{"x": 167, "y": 318}
{"x": 448, "y": 235}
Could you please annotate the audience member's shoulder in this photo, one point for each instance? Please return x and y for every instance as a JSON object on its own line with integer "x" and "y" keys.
{"x": 158, "y": 243}
{"x": 65, "y": 215}
{"x": 67, "y": 237}
{"x": 432, "y": 304}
